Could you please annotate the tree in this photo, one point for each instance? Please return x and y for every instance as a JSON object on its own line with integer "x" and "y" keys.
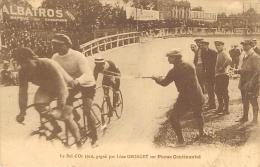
{"x": 222, "y": 15}
{"x": 198, "y": 8}
{"x": 250, "y": 12}
{"x": 145, "y": 4}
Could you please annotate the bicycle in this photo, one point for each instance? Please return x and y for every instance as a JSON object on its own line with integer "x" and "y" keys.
{"x": 107, "y": 108}
{"x": 44, "y": 129}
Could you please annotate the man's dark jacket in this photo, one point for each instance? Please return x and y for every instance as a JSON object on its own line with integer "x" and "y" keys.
{"x": 209, "y": 58}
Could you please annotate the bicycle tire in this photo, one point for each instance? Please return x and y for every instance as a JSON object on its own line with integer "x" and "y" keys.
{"x": 119, "y": 108}
{"x": 105, "y": 119}
{"x": 96, "y": 112}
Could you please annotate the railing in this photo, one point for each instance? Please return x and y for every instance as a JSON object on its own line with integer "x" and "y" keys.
{"x": 109, "y": 42}
{"x": 195, "y": 31}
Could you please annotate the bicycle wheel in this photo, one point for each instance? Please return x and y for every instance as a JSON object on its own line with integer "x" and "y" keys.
{"x": 105, "y": 119}
{"x": 119, "y": 106}
{"x": 96, "y": 112}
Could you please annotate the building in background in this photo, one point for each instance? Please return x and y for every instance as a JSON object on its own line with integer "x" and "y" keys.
{"x": 171, "y": 9}
{"x": 255, "y": 4}
{"x": 203, "y": 16}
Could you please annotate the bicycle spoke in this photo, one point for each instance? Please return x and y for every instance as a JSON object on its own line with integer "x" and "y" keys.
{"x": 119, "y": 106}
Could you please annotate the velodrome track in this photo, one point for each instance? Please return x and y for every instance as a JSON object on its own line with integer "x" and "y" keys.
{"x": 145, "y": 104}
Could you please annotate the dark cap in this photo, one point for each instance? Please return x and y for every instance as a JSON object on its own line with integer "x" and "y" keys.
{"x": 198, "y": 39}
{"x": 23, "y": 53}
{"x": 204, "y": 42}
{"x": 62, "y": 39}
{"x": 174, "y": 53}
{"x": 219, "y": 43}
{"x": 247, "y": 42}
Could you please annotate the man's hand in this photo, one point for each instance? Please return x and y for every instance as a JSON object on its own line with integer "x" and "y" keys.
{"x": 237, "y": 71}
{"x": 156, "y": 79}
{"x": 20, "y": 117}
{"x": 113, "y": 79}
{"x": 73, "y": 83}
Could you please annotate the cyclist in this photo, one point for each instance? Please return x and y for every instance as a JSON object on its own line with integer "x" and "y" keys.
{"x": 111, "y": 78}
{"x": 51, "y": 79}
{"x": 6, "y": 74}
{"x": 78, "y": 67}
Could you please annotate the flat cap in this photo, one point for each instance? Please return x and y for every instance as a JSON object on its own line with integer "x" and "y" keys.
{"x": 23, "y": 53}
{"x": 204, "y": 42}
{"x": 62, "y": 39}
{"x": 198, "y": 39}
{"x": 219, "y": 43}
{"x": 174, "y": 53}
{"x": 247, "y": 42}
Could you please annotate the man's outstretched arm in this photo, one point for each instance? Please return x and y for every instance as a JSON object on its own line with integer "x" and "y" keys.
{"x": 169, "y": 78}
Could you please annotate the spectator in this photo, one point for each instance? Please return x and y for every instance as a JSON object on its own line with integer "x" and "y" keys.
{"x": 234, "y": 53}
{"x": 209, "y": 57}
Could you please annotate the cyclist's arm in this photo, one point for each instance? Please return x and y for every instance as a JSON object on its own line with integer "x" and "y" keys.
{"x": 59, "y": 84}
{"x": 23, "y": 88}
{"x": 95, "y": 73}
{"x": 65, "y": 75}
{"x": 87, "y": 76}
{"x": 112, "y": 73}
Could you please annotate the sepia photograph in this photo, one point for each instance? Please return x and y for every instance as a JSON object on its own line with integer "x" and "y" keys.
{"x": 129, "y": 83}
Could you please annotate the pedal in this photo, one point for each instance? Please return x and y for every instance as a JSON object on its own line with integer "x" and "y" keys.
{"x": 52, "y": 136}
{"x": 42, "y": 134}
{"x": 37, "y": 132}
{"x": 43, "y": 128}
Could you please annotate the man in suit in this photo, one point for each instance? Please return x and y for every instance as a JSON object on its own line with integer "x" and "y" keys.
{"x": 249, "y": 81}
{"x": 198, "y": 63}
{"x": 256, "y": 49}
{"x": 234, "y": 54}
{"x": 209, "y": 57}
{"x": 190, "y": 96}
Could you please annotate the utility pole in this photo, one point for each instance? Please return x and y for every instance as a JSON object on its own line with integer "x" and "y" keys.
{"x": 136, "y": 13}
{"x": 243, "y": 6}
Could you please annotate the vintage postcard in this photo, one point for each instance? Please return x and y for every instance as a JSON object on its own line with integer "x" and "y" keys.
{"x": 126, "y": 83}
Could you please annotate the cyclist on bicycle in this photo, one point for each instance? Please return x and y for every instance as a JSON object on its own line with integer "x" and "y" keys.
{"x": 51, "y": 79}
{"x": 78, "y": 67}
{"x": 111, "y": 78}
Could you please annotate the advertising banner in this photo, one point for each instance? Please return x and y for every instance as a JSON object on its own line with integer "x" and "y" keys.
{"x": 35, "y": 14}
{"x": 140, "y": 14}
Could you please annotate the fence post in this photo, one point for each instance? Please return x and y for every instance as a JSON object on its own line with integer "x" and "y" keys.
{"x": 91, "y": 51}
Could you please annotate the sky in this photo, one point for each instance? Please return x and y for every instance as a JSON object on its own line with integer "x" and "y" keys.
{"x": 218, "y": 6}
{"x": 228, "y": 6}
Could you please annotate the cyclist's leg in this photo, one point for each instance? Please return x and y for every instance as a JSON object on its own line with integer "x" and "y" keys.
{"x": 88, "y": 94}
{"x": 42, "y": 98}
{"x": 72, "y": 93}
{"x": 116, "y": 92}
{"x": 67, "y": 115}
{"x": 107, "y": 97}
{"x": 107, "y": 82}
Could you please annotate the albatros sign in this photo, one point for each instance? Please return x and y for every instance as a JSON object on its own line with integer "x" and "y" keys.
{"x": 36, "y": 14}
